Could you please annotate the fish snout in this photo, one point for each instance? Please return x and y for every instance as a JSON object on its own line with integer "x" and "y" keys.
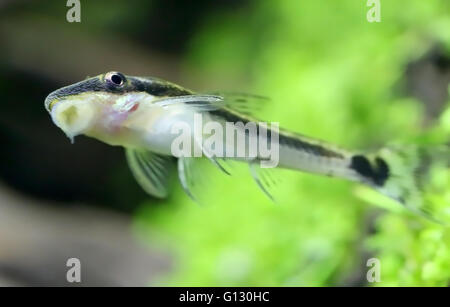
{"x": 51, "y": 100}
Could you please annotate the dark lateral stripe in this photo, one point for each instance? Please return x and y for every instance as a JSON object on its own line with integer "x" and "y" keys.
{"x": 286, "y": 140}
{"x": 377, "y": 173}
{"x": 315, "y": 149}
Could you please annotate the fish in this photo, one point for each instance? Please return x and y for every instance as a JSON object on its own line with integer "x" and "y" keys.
{"x": 140, "y": 114}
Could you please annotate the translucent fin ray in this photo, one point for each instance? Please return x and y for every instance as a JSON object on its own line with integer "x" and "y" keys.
{"x": 151, "y": 171}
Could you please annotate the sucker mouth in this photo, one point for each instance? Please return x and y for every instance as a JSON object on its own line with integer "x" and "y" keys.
{"x": 49, "y": 105}
{"x": 51, "y": 100}
{"x": 74, "y": 117}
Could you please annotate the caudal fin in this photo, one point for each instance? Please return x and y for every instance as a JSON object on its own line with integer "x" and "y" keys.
{"x": 416, "y": 176}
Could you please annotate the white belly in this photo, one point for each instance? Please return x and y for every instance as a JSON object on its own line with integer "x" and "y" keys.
{"x": 153, "y": 128}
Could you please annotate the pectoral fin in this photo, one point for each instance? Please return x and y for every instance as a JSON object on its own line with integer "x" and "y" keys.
{"x": 151, "y": 171}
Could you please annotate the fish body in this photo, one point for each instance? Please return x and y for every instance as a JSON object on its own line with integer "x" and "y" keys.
{"x": 142, "y": 114}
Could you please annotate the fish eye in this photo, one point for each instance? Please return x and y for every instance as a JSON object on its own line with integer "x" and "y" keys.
{"x": 115, "y": 78}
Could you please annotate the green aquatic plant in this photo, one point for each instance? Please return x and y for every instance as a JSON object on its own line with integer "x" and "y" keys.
{"x": 333, "y": 75}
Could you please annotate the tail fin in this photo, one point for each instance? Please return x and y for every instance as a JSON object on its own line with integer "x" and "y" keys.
{"x": 418, "y": 177}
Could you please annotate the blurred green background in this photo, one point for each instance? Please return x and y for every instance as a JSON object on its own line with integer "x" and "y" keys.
{"x": 330, "y": 74}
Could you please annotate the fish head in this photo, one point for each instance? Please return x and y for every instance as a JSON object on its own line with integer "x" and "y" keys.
{"x": 96, "y": 106}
